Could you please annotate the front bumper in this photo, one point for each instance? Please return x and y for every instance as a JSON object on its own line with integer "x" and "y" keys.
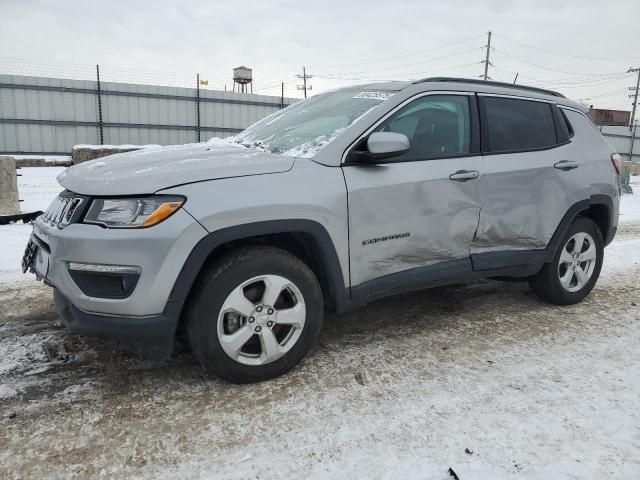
{"x": 159, "y": 252}
{"x": 144, "y": 319}
{"x": 150, "y": 336}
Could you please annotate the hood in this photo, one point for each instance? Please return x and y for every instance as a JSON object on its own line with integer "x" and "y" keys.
{"x": 149, "y": 170}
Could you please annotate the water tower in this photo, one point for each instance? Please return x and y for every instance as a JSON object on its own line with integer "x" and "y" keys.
{"x": 243, "y": 77}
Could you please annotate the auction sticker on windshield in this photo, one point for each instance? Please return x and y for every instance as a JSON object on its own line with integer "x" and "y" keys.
{"x": 375, "y": 95}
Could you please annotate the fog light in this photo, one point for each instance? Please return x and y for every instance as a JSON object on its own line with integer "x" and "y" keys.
{"x": 98, "y": 268}
{"x": 104, "y": 281}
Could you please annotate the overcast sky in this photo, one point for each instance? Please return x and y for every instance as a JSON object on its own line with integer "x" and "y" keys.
{"x": 340, "y": 42}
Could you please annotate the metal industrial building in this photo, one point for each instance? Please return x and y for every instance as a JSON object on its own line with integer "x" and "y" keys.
{"x": 624, "y": 140}
{"x": 48, "y": 116}
{"x": 610, "y": 117}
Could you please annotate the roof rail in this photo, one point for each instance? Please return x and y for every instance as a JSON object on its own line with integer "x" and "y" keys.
{"x": 491, "y": 83}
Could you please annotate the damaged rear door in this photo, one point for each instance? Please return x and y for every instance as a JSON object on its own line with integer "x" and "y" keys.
{"x": 412, "y": 218}
{"x": 528, "y": 182}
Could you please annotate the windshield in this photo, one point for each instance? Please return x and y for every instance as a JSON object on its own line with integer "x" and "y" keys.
{"x": 305, "y": 127}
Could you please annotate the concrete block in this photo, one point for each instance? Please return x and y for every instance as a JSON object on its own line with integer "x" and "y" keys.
{"x": 9, "y": 204}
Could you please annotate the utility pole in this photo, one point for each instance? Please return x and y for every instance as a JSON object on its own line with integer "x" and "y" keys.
{"x": 633, "y": 137}
{"x": 635, "y": 96}
{"x": 304, "y": 78}
{"x": 304, "y": 85}
{"x": 99, "y": 92}
{"x": 486, "y": 60}
{"x": 198, "y": 107}
{"x": 282, "y": 96}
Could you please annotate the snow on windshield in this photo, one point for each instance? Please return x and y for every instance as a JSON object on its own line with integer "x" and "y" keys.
{"x": 302, "y": 129}
{"x": 223, "y": 142}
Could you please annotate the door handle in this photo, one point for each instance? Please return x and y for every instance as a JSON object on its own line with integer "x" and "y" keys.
{"x": 464, "y": 175}
{"x": 566, "y": 165}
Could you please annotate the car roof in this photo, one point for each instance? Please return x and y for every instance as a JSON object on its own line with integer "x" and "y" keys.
{"x": 489, "y": 83}
{"x": 476, "y": 85}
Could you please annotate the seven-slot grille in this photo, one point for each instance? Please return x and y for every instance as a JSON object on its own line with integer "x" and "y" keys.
{"x": 61, "y": 210}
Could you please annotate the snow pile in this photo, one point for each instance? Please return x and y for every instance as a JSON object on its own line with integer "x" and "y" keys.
{"x": 22, "y": 353}
{"x": 6, "y": 392}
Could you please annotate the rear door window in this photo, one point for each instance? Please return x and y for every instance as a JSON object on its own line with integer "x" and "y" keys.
{"x": 513, "y": 125}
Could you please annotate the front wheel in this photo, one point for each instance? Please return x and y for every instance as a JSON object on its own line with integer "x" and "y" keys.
{"x": 575, "y": 267}
{"x": 255, "y": 315}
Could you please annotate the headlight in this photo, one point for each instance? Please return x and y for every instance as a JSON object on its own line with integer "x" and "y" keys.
{"x": 132, "y": 212}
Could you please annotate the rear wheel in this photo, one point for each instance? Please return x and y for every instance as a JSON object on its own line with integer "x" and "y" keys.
{"x": 575, "y": 267}
{"x": 255, "y": 315}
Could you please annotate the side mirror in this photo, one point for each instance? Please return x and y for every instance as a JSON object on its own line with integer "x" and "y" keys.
{"x": 386, "y": 145}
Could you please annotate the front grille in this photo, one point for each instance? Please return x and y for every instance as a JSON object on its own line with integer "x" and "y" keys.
{"x": 62, "y": 210}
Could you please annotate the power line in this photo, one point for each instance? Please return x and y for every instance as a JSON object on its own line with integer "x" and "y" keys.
{"x": 564, "y": 54}
{"x": 412, "y": 75}
{"x": 410, "y": 64}
{"x": 419, "y": 52}
{"x": 607, "y": 94}
{"x": 574, "y": 82}
{"x": 548, "y": 68}
{"x": 275, "y": 84}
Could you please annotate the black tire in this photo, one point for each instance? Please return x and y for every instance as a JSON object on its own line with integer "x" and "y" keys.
{"x": 214, "y": 286}
{"x": 546, "y": 283}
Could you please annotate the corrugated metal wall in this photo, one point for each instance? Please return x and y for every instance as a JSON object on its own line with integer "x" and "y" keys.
{"x": 620, "y": 138}
{"x": 50, "y": 115}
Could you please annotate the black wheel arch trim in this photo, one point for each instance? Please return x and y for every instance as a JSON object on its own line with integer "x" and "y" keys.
{"x": 607, "y": 201}
{"x": 200, "y": 254}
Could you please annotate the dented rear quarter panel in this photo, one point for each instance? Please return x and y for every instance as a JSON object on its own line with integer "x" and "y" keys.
{"x": 525, "y": 197}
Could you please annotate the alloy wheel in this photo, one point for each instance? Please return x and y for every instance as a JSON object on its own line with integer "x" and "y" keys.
{"x": 577, "y": 262}
{"x": 261, "y": 320}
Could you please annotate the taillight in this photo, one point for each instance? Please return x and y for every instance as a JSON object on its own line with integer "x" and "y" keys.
{"x": 616, "y": 159}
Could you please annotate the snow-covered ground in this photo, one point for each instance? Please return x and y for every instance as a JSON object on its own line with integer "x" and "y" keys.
{"x": 484, "y": 379}
{"x": 630, "y": 204}
{"x": 37, "y": 187}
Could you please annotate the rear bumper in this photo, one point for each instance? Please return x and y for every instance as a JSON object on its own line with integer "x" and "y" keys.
{"x": 150, "y": 336}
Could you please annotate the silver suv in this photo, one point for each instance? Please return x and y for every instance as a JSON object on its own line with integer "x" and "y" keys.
{"x": 242, "y": 244}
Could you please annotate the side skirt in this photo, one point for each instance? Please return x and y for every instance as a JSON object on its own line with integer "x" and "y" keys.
{"x": 446, "y": 273}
